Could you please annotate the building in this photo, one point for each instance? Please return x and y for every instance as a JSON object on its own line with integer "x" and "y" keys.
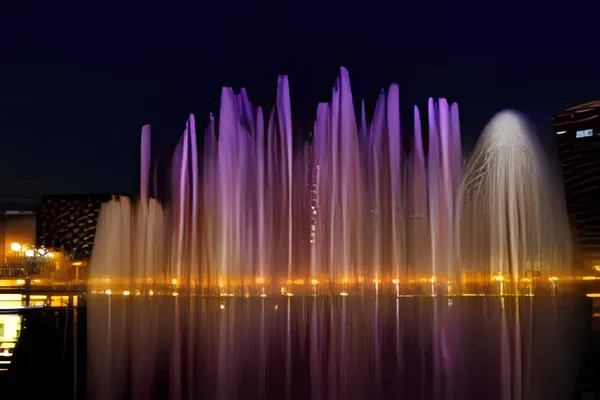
{"x": 67, "y": 223}
{"x": 577, "y": 133}
{"x": 17, "y": 224}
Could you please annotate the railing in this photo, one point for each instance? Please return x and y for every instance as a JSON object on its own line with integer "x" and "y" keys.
{"x": 12, "y": 271}
{"x": 17, "y": 277}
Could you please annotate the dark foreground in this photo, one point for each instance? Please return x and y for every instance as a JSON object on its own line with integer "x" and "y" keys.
{"x": 307, "y": 348}
{"x": 50, "y": 356}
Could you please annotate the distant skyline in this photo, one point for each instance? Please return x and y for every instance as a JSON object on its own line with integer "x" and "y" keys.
{"x": 77, "y": 84}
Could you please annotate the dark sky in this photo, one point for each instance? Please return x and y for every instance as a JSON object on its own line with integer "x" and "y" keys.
{"x": 78, "y": 82}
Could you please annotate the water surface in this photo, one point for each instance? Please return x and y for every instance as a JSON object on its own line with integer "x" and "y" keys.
{"x": 334, "y": 347}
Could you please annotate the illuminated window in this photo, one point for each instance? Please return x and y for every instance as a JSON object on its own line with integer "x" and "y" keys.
{"x": 584, "y": 133}
{"x": 561, "y": 132}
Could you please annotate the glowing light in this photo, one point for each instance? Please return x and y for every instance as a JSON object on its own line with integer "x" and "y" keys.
{"x": 240, "y": 287}
{"x": 593, "y": 295}
{"x": 41, "y": 251}
{"x": 260, "y": 281}
{"x": 343, "y": 294}
{"x": 174, "y": 282}
{"x": 151, "y": 293}
{"x": 108, "y": 291}
{"x": 175, "y": 294}
{"x": 584, "y": 133}
{"x": 15, "y": 246}
{"x": 29, "y": 253}
{"x": 597, "y": 268}
{"x": 20, "y": 281}
{"x": 50, "y": 254}
{"x": 126, "y": 292}
{"x": 222, "y": 306}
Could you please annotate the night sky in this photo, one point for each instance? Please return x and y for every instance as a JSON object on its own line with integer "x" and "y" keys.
{"x": 77, "y": 83}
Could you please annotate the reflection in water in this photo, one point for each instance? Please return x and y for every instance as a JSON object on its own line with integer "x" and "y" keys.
{"x": 10, "y": 329}
{"x": 12, "y": 320}
{"x": 333, "y": 347}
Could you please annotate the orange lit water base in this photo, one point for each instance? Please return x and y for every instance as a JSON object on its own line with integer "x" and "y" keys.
{"x": 261, "y": 287}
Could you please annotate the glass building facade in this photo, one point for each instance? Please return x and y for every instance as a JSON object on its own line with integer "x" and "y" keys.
{"x": 577, "y": 133}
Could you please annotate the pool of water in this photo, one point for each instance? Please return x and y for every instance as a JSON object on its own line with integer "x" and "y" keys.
{"x": 334, "y": 347}
{"x": 121, "y": 347}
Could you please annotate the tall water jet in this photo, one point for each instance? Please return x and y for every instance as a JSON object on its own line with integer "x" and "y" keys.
{"x": 514, "y": 227}
{"x": 418, "y": 232}
{"x": 444, "y": 165}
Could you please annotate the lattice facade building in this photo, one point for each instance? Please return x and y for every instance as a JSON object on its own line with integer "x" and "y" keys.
{"x": 68, "y": 223}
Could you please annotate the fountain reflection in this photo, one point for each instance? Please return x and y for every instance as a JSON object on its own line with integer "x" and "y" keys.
{"x": 334, "y": 347}
{"x": 10, "y": 329}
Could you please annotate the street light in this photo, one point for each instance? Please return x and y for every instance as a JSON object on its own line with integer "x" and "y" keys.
{"x": 29, "y": 253}
{"x": 15, "y": 246}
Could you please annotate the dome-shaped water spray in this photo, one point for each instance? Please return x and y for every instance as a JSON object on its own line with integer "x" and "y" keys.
{"x": 513, "y": 223}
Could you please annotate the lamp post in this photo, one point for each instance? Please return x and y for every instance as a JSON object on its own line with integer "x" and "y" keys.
{"x": 31, "y": 257}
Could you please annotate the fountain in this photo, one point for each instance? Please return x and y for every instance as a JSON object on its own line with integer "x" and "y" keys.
{"x": 513, "y": 218}
{"x": 266, "y": 239}
{"x": 360, "y": 209}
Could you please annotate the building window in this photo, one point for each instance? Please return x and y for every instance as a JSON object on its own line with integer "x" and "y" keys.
{"x": 584, "y": 133}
